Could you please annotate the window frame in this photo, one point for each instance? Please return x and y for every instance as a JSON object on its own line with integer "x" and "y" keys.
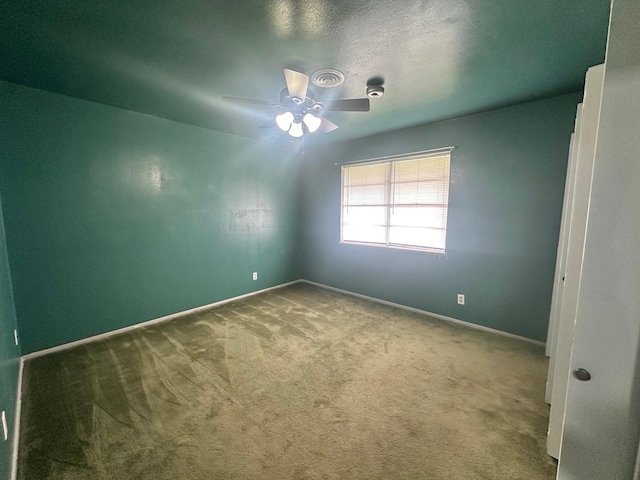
{"x": 389, "y": 188}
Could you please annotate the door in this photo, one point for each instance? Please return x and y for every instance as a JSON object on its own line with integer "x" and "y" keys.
{"x": 602, "y": 423}
{"x": 561, "y": 254}
{"x": 583, "y": 172}
{"x": 561, "y": 257}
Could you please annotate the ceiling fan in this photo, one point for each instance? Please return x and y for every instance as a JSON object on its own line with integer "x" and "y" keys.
{"x": 298, "y": 111}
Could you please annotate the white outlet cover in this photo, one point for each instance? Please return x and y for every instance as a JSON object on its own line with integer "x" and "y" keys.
{"x": 255, "y": 275}
{"x": 4, "y": 425}
{"x": 15, "y": 335}
{"x": 460, "y": 299}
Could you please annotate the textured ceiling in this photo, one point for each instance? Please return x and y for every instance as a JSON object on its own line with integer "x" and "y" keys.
{"x": 176, "y": 58}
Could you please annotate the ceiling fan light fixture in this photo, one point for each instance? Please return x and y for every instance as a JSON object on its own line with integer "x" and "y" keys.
{"x": 312, "y": 122}
{"x": 296, "y": 129}
{"x": 298, "y": 112}
{"x": 284, "y": 121}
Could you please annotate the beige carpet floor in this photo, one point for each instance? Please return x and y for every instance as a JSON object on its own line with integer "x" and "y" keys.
{"x": 297, "y": 383}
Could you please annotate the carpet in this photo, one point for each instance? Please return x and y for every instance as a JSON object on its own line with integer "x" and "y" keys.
{"x": 296, "y": 383}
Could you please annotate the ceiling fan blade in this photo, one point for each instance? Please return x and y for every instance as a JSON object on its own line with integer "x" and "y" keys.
{"x": 268, "y": 124}
{"x": 249, "y": 101}
{"x": 326, "y": 126}
{"x": 347, "y": 105}
{"x": 297, "y": 83}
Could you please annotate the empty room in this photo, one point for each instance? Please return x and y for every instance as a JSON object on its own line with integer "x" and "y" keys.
{"x": 319, "y": 239}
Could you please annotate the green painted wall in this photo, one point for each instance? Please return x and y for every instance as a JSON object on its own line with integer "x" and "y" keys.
{"x": 114, "y": 217}
{"x": 507, "y": 182}
{"x": 9, "y": 355}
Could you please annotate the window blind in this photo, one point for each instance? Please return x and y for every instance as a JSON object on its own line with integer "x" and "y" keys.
{"x": 401, "y": 203}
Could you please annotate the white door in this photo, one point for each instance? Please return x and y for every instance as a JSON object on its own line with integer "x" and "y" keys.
{"x": 561, "y": 254}
{"x": 602, "y": 423}
{"x": 561, "y": 257}
{"x": 583, "y": 172}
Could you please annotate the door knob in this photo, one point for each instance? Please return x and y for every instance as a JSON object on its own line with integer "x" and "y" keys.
{"x": 582, "y": 374}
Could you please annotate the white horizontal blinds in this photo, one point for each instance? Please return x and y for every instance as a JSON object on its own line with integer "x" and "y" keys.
{"x": 398, "y": 203}
{"x": 419, "y": 203}
{"x": 365, "y": 202}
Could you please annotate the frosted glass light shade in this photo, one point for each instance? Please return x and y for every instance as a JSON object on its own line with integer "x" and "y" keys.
{"x": 284, "y": 121}
{"x": 312, "y": 122}
{"x": 296, "y": 129}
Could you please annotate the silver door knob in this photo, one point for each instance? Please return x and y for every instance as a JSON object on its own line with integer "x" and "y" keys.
{"x": 582, "y": 374}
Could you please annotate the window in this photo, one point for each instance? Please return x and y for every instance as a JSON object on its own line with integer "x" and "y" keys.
{"x": 399, "y": 203}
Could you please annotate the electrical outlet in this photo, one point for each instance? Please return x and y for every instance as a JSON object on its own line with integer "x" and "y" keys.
{"x": 460, "y": 299}
{"x": 255, "y": 275}
{"x": 15, "y": 336}
{"x": 5, "y": 432}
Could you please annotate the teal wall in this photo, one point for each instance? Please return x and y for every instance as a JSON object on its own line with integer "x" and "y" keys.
{"x": 9, "y": 355}
{"x": 114, "y": 217}
{"x": 507, "y": 182}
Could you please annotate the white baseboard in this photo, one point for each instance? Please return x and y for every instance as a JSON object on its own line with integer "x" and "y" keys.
{"x": 431, "y": 314}
{"x": 16, "y": 424}
{"x": 101, "y": 336}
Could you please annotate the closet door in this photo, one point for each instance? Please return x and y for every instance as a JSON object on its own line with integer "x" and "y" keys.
{"x": 561, "y": 256}
{"x": 602, "y": 419}
{"x": 583, "y": 174}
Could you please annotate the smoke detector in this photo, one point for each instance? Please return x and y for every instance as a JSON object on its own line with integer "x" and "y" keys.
{"x": 327, "y": 78}
{"x": 375, "y": 91}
